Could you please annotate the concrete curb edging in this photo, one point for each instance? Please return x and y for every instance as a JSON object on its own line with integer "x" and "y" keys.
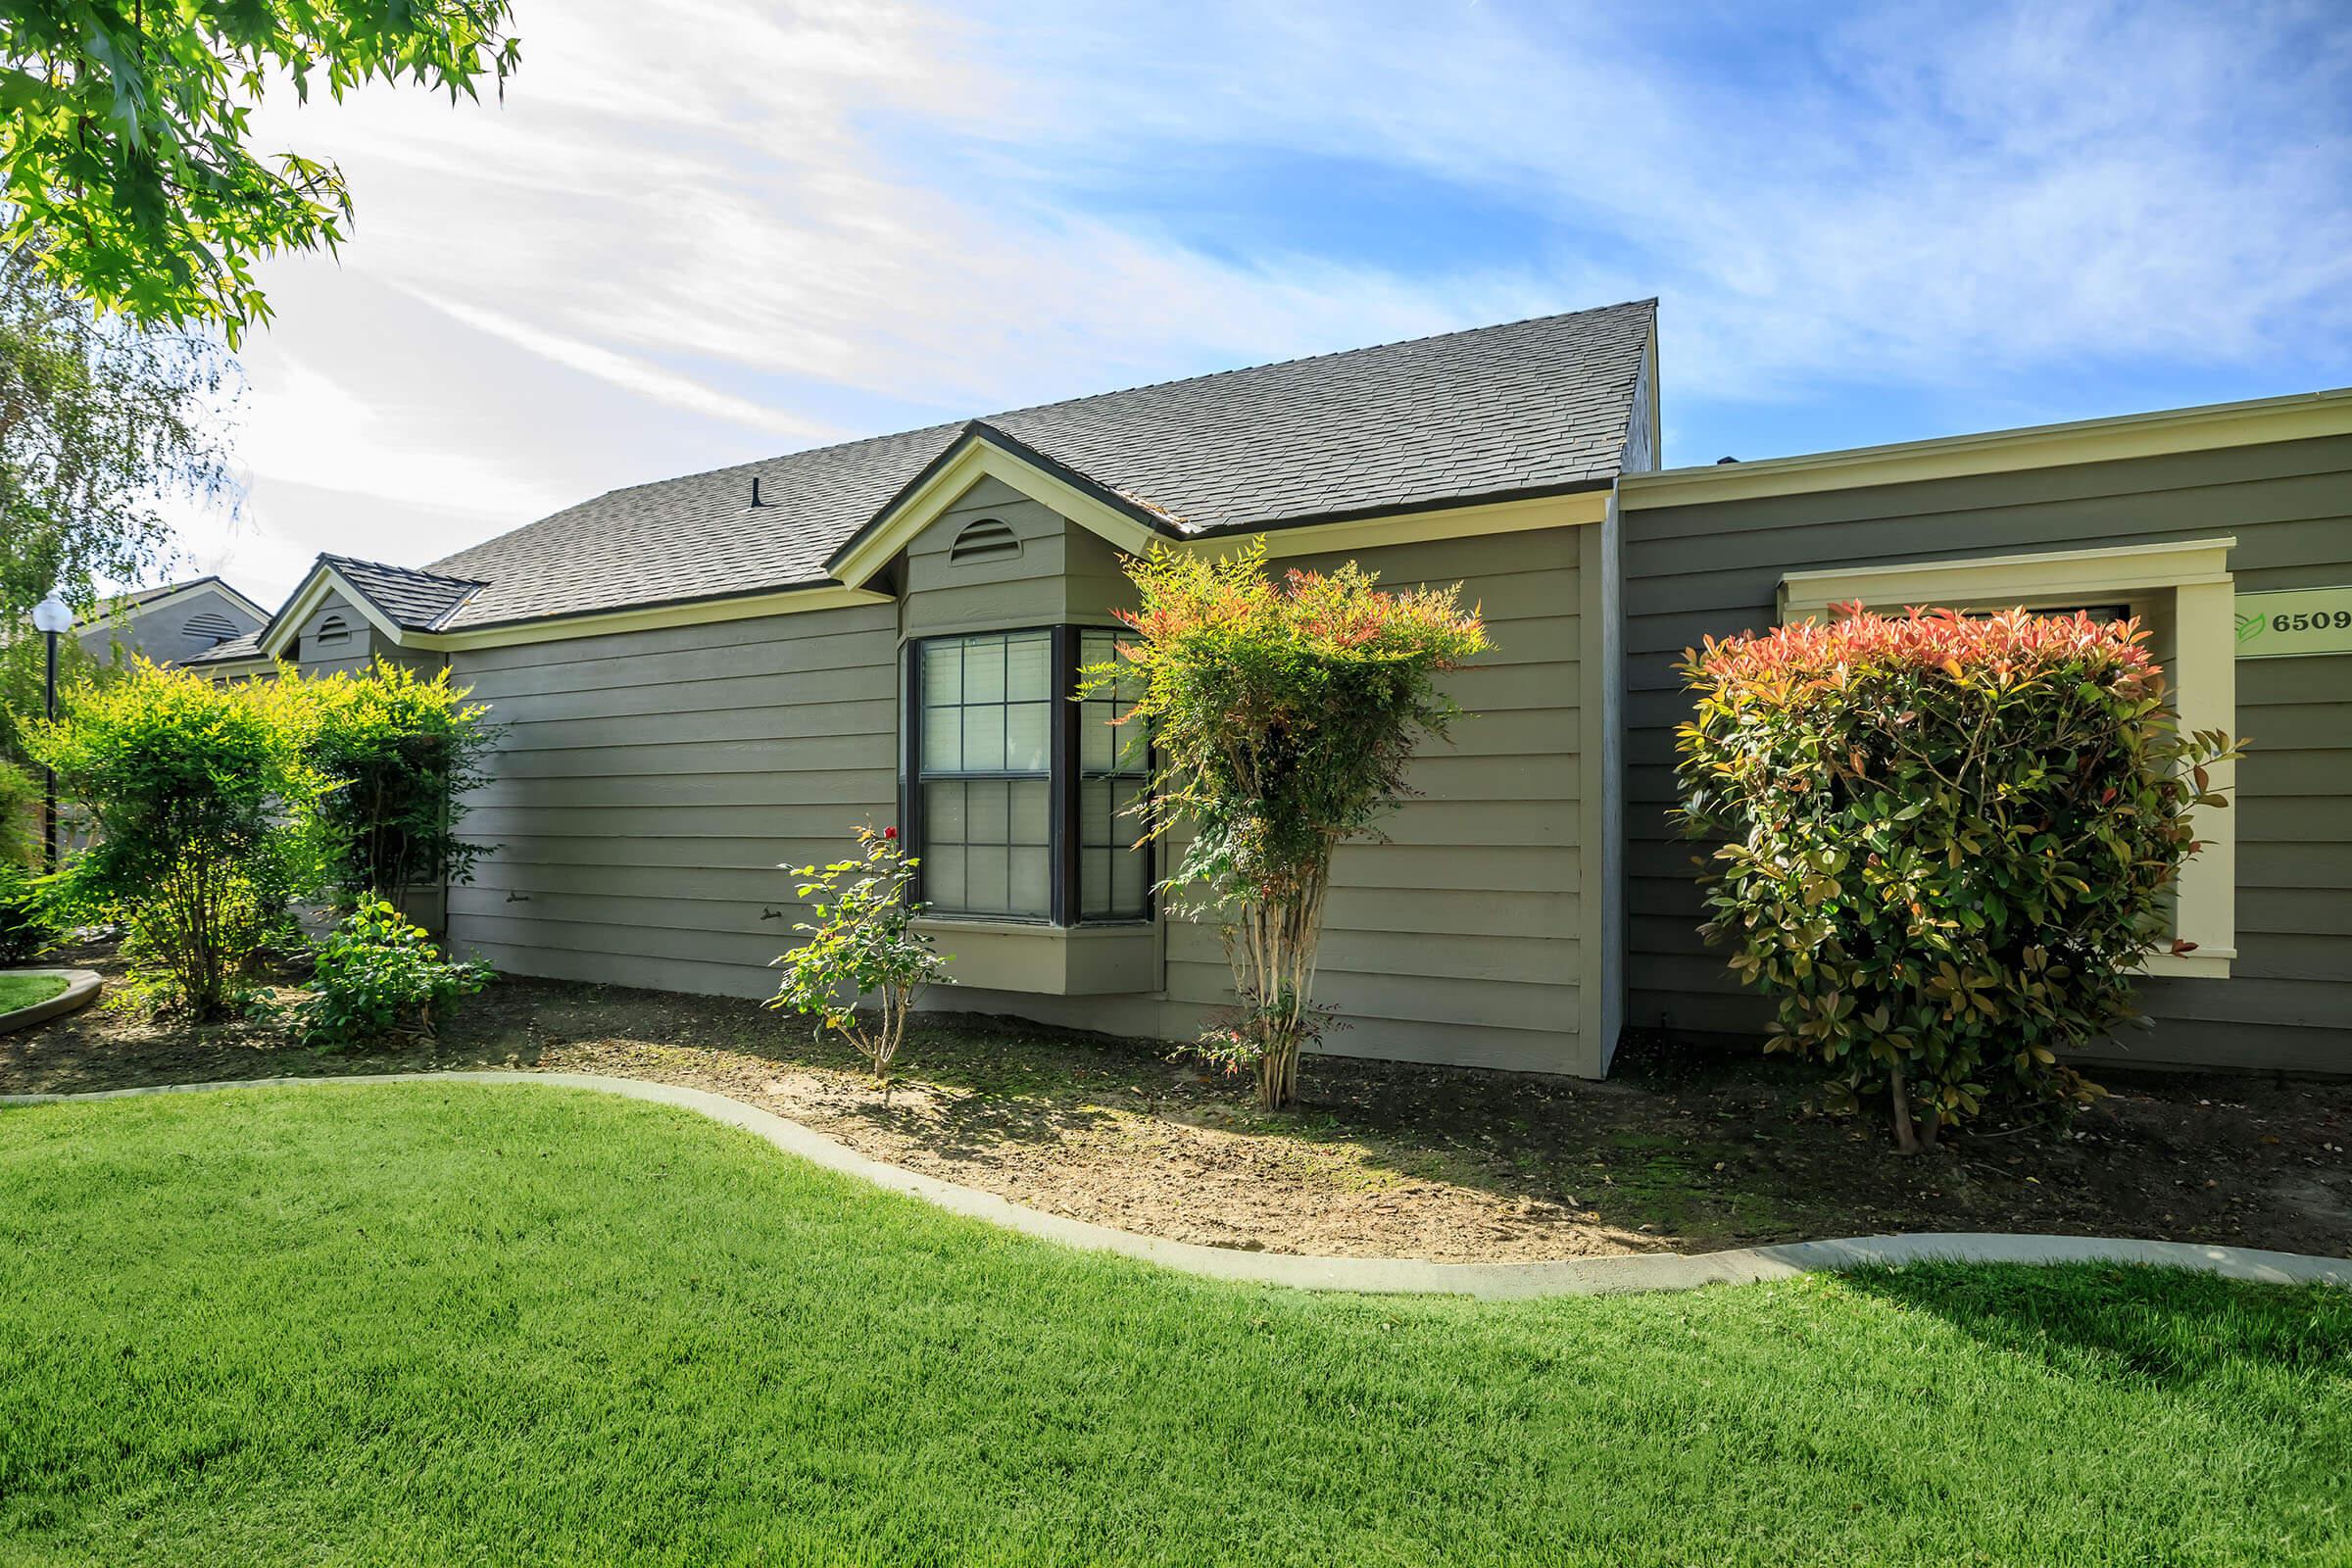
{"x": 1593, "y": 1276}
{"x": 82, "y": 989}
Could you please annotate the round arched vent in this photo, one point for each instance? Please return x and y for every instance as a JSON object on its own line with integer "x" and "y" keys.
{"x": 333, "y": 629}
{"x": 985, "y": 539}
{"x": 210, "y": 628}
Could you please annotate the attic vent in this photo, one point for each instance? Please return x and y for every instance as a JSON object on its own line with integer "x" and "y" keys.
{"x": 210, "y": 628}
{"x": 988, "y": 539}
{"x": 333, "y": 629}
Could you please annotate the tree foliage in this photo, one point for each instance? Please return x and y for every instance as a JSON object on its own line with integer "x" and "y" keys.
{"x": 1948, "y": 843}
{"x": 399, "y": 753}
{"x": 102, "y": 425}
{"x": 198, "y": 798}
{"x": 128, "y": 137}
{"x": 1283, "y": 714}
{"x": 863, "y": 944}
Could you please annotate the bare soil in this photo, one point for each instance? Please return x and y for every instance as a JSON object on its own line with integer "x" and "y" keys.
{"x": 1679, "y": 1152}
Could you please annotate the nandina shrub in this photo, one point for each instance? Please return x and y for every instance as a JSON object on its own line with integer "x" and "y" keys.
{"x": 1948, "y": 843}
{"x": 1283, "y": 714}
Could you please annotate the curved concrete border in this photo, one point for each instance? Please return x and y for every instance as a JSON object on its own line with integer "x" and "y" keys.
{"x": 1583, "y": 1276}
{"x": 82, "y": 989}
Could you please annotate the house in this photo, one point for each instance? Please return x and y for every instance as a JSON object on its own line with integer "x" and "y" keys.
{"x": 706, "y": 677}
{"x": 170, "y": 624}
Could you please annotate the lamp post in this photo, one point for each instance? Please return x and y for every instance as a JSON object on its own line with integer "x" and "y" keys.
{"x": 50, "y": 618}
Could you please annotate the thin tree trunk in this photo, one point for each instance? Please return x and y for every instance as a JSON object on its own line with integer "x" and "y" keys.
{"x": 1906, "y": 1141}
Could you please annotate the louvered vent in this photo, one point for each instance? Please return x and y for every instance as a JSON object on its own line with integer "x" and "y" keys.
{"x": 209, "y": 629}
{"x": 333, "y": 629}
{"x": 988, "y": 539}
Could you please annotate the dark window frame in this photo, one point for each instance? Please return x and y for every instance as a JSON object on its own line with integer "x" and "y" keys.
{"x": 1062, "y": 741}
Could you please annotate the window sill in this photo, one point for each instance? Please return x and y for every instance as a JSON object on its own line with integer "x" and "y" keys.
{"x": 2206, "y": 963}
{"x": 1041, "y": 959}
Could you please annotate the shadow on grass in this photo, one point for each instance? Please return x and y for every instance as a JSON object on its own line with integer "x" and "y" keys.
{"x": 2148, "y": 1327}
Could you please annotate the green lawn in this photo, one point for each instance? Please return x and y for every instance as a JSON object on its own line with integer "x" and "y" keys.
{"x": 24, "y": 990}
{"x": 442, "y": 1323}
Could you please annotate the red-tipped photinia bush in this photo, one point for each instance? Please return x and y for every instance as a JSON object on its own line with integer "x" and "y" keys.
{"x": 1947, "y": 843}
{"x": 1284, "y": 712}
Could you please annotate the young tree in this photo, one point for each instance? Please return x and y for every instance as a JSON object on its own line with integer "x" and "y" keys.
{"x": 198, "y": 798}
{"x": 1284, "y": 715}
{"x": 128, "y": 135}
{"x": 1946, "y": 843}
{"x": 101, "y": 425}
{"x": 861, "y": 944}
{"x": 397, "y": 755}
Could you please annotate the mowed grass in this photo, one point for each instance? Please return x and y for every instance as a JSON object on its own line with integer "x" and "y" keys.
{"x": 24, "y": 990}
{"x": 467, "y": 1324}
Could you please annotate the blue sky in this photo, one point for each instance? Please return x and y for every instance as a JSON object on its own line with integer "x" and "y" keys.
{"x": 702, "y": 232}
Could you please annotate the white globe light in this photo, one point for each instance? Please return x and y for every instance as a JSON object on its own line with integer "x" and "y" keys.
{"x": 51, "y": 614}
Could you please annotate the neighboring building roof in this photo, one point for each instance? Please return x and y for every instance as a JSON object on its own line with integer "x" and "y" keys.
{"x": 1536, "y": 406}
{"x": 140, "y": 599}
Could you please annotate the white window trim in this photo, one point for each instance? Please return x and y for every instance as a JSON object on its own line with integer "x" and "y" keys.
{"x": 2184, "y": 591}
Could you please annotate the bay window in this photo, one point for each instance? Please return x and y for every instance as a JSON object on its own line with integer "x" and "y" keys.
{"x": 1016, "y": 795}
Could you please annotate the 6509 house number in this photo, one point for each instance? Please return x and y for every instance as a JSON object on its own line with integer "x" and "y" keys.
{"x": 2299, "y": 620}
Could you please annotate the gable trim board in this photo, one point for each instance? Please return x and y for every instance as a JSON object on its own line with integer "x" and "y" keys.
{"x": 323, "y": 582}
{"x": 1469, "y": 521}
{"x": 2258, "y": 421}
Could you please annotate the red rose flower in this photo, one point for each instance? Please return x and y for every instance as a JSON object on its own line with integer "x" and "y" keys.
{"x": 890, "y": 832}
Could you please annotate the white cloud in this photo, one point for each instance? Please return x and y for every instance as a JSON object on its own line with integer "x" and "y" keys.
{"x": 697, "y": 232}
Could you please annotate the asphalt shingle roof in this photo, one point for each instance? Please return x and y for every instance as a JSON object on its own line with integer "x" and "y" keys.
{"x": 415, "y": 601}
{"x": 1535, "y": 406}
{"x": 248, "y": 646}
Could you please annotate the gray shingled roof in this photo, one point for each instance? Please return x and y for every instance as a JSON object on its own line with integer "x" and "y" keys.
{"x": 249, "y": 646}
{"x": 413, "y": 600}
{"x": 1532, "y": 407}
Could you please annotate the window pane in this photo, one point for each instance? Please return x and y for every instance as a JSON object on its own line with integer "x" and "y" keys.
{"x": 984, "y": 739}
{"x": 1131, "y": 876}
{"x": 942, "y": 740}
{"x": 984, "y": 670}
{"x": 942, "y": 673}
{"x": 1095, "y": 744}
{"x": 943, "y": 877}
{"x": 1028, "y": 811}
{"x": 985, "y": 868}
{"x": 943, "y": 812}
{"x": 1025, "y": 746}
{"x": 1094, "y": 882}
{"x": 1032, "y": 870}
{"x": 1029, "y": 667}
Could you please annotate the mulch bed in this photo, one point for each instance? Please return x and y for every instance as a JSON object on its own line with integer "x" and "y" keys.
{"x": 1679, "y": 1152}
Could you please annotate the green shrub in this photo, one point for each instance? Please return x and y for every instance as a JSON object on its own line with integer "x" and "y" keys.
{"x": 197, "y": 799}
{"x": 1950, "y": 843}
{"x": 28, "y": 928}
{"x": 20, "y": 817}
{"x": 399, "y": 753}
{"x": 379, "y": 974}
{"x": 1284, "y": 715}
{"x": 861, "y": 944}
